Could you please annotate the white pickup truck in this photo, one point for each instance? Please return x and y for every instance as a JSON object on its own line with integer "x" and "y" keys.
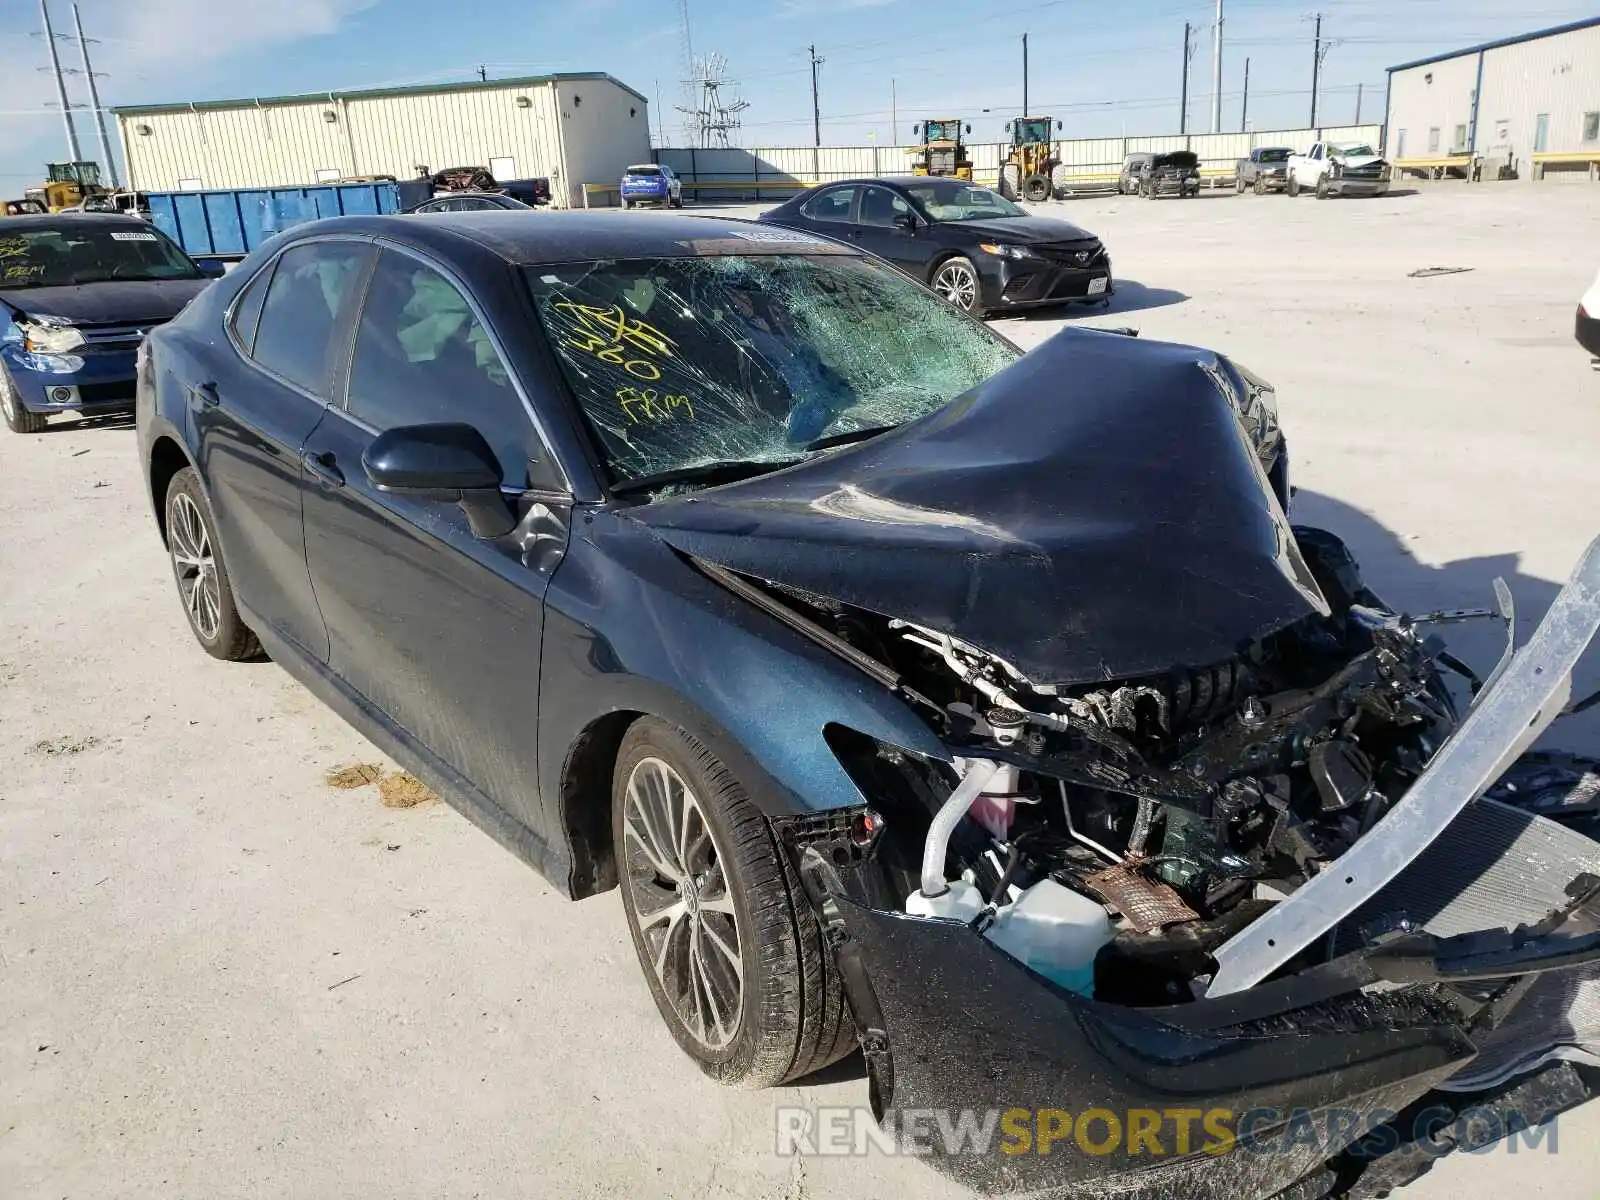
{"x": 1338, "y": 169}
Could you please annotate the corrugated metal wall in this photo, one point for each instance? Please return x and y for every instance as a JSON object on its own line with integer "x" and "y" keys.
{"x": 1427, "y": 105}
{"x": 779, "y": 167}
{"x": 296, "y": 144}
{"x": 605, "y": 129}
{"x": 1557, "y": 76}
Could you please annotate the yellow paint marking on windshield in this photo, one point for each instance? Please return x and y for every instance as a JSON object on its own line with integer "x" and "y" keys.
{"x": 649, "y": 405}
{"x": 11, "y": 247}
{"x": 24, "y": 271}
{"x": 607, "y": 333}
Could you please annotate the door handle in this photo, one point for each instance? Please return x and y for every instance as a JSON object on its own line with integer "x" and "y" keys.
{"x": 324, "y": 467}
{"x": 206, "y": 393}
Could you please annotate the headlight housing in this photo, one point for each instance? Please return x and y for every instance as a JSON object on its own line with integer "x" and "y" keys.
{"x": 51, "y": 339}
{"x": 1002, "y": 250}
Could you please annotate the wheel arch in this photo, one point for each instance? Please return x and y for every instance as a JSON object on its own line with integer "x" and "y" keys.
{"x": 585, "y": 798}
{"x": 167, "y": 458}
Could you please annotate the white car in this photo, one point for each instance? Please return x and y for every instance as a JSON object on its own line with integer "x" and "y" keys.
{"x": 1588, "y": 330}
{"x": 1339, "y": 169}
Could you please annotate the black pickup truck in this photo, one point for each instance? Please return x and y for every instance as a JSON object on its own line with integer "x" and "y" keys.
{"x": 1266, "y": 170}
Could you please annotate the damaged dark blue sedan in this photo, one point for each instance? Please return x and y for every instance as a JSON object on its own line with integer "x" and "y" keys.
{"x": 982, "y": 711}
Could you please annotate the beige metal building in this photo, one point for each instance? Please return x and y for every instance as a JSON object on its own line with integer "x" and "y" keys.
{"x": 1532, "y": 102}
{"x": 572, "y": 128}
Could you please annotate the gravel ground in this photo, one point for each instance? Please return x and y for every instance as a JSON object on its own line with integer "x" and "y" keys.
{"x": 225, "y": 975}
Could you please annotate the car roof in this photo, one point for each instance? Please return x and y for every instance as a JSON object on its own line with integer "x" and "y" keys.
{"x": 576, "y": 236}
{"x": 73, "y": 220}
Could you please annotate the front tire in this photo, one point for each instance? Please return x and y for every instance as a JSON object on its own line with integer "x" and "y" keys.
{"x": 1010, "y": 180}
{"x": 1261, "y": 185}
{"x": 1322, "y": 189}
{"x": 1240, "y": 185}
{"x": 1293, "y": 187}
{"x": 730, "y": 947}
{"x": 956, "y": 279}
{"x": 1036, "y": 188}
{"x": 197, "y": 567}
{"x": 18, "y": 417}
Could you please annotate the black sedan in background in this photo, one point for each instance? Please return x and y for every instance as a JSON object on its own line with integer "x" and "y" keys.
{"x": 472, "y": 202}
{"x": 970, "y": 244}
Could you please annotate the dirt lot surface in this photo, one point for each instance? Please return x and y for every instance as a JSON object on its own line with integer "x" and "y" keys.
{"x": 228, "y": 967}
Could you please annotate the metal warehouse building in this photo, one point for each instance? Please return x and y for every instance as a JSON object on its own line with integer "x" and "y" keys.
{"x": 573, "y": 129}
{"x": 1530, "y": 102}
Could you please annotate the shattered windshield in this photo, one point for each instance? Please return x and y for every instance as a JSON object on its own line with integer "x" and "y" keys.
{"x": 682, "y": 363}
{"x": 79, "y": 252}
{"x": 1351, "y": 150}
{"x": 945, "y": 200}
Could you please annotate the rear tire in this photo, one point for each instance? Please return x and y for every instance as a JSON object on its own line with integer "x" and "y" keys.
{"x": 18, "y": 417}
{"x": 202, "y": 579}
{"x": 726, "y": 936}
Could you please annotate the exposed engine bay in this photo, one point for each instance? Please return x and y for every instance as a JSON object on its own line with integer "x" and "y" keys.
{"x": 1134, "y": 826}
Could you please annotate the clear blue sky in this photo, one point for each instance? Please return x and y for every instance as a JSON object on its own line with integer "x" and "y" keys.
{"x": 1103, "y": 68}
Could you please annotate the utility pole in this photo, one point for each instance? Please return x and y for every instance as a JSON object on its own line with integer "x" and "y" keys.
{"x": 1358, "y": 103}
{"x": 94, "y": 98}
{"x": 894, "y": 111}
{"x": 1025, "y": 111}
{"x": 1216, "y": 72}
{"x": 816, "y": 103}
{"x": 1183, "y": 116}
{"x": 1316, "y": 70}
{"x": 483, "y": 74}
{"x": 61, "y": 83}
{"x": 1244, "y": 109}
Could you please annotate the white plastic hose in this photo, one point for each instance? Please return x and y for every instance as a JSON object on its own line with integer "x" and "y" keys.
{"x": 979, "y": 772}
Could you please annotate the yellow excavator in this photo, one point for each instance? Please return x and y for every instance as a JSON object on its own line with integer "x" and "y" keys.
{"x": 1030, "y": 165}
{"x": 942, "y": 152}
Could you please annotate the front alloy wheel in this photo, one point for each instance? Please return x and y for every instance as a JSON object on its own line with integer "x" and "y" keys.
{"x": 726, "y": 936}
{"x": 685, "y": 915}
{"x": 957, "y": 281}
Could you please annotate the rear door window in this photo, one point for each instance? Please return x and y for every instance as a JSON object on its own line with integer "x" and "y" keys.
{"x": 422, "y": 357}
{"x": 834, "y": 205}
{"x": 247, "y": 308}
{"x": 306, "y": 303}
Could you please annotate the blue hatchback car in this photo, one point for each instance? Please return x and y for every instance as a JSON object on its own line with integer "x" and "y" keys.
{"x": 78, "y": 295}
{"x": 651, "y": 183}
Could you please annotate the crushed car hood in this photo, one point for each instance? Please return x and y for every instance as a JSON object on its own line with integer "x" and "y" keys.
{"x": 1095, "y": 511}
{"x": 114, "y": 302}
{"x": 1028, "y": 230}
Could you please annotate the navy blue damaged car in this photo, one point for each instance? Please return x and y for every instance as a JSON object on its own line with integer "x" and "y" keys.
{"x": 982, "y": 711}
{"x": 78, "y": 294}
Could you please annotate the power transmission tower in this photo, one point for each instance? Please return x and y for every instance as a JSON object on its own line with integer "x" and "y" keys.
{"x": 713, "y": 116}
{"x": 89, "y": 75}
{"x": 61, "y": 83}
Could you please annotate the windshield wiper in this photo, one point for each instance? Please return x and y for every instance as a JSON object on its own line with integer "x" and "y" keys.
{"x": 853, "y": 435}
{"x": 726, "y": 471}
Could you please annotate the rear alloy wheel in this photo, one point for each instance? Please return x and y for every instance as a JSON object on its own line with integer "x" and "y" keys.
{"x": 1036, "y": 188}
{"x": 18, "y": 418}
{"x": 957, "y": 281}
{"x": 730, "y": 948}
{"x": 202, "y": 580}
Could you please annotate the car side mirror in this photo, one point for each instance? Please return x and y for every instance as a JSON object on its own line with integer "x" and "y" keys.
{"x": 907, "y": 221}
{"x": 449, "y": 463}
{"x": 211, "y": 268}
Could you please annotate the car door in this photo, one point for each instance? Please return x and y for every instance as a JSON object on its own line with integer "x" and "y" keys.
{"x": 250, "y": 424}
{"x": 876, "y": 229}
{"x": 438, "y": 630}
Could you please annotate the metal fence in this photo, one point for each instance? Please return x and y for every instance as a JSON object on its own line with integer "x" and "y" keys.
{"x": 1086, "y": 163}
